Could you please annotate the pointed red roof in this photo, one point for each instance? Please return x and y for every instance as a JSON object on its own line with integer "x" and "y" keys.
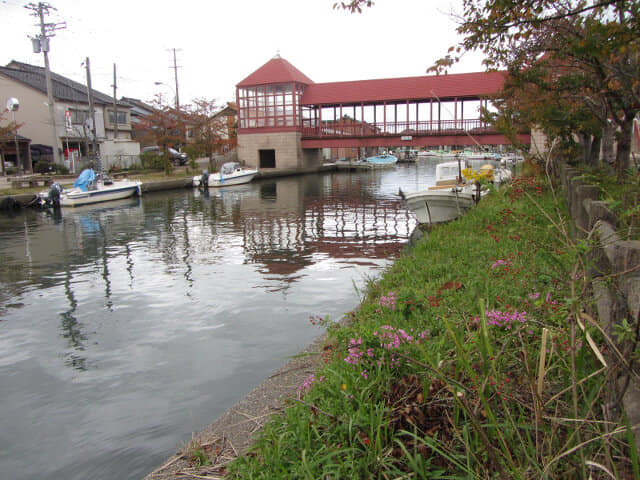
{"x": 276, "y": 70}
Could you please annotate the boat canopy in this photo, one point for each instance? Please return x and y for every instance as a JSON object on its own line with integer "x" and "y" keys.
{"x": 84, "y": 179}
{"x": 229, "y": 167}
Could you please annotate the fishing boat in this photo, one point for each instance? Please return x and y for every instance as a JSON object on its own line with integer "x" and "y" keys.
{"x": 231, "y": 173}
{"x": 437, "y": 205}
{"x": 382, "y": 160}
{"x": 90, "y": 187}
{"x": 448, "y": 199}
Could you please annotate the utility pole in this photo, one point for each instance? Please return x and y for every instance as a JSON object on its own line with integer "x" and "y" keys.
{"x": 175, "y": 71}
{"x": 92, "y": 111}
{"x": 115, "y": 105}
{"x": 41, "y": 42}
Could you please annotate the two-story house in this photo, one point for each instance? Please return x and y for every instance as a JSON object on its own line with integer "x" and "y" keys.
{"x": 140, "y": 110}
{"x": 228, "y": 118}
{"x": 72, "y": 116}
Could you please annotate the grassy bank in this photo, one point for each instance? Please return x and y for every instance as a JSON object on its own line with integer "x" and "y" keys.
{"x": 470, "y": 358}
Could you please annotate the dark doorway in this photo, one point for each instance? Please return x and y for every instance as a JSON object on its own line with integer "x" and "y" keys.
{"x": 267, "y": 158}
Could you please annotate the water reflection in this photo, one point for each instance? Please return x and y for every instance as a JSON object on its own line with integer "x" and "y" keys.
{"x": 282, "y": 228}
{"x": 71, "y": 329}
{"x": 104, "y": 309}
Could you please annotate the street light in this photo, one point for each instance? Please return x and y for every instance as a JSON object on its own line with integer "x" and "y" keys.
{"x": 13, "y": 104}
{"x": 177, "y": 102}
{"x": 175, "y": 96}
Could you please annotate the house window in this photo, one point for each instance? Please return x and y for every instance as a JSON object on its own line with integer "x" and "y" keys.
{"x": 122, "y": 117}
{"x": 78, "y": 117}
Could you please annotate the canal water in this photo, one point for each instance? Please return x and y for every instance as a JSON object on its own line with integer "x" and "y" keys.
{"x": 125, "y": 327}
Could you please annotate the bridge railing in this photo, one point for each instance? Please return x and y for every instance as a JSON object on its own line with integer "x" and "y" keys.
{"x": 381, "y": 129}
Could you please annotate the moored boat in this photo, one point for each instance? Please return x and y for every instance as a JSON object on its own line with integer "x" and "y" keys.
{"x": 439, "y": 205}
{"x": 231, "y": 173}
{"x": 90, "y": 188}
{"x": 448, "y": 199}
{"x": 427, "y": 153}
{"x": 382, "y": 160}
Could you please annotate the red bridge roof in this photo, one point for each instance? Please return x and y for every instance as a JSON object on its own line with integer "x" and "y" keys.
{"x": 445, "y": 87}
{"x": 276, "y": 70}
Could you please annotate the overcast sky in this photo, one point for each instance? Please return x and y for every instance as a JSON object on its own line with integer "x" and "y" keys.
{"x": 220, "y": 42}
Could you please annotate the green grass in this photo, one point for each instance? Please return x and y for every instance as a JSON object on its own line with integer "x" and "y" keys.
{"x": 466, "y": 360}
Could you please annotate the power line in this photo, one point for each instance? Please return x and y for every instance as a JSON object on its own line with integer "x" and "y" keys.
{"x": 41, "y": 42}
{"x": 47, "y": 29}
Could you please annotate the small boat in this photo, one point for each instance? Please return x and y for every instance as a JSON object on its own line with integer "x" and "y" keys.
{"x": 511, "y": 159}
{"x": 231, "y": 173}
{"x": 407, "y": 156}
{"x": 437, "y": 205}
{"x": 427, "y": 153}
{"x": 447, "y": 154}
{"x": 445, "y": 201}
{"x": 382, "y": 160}
{"x": 90, "y": 188}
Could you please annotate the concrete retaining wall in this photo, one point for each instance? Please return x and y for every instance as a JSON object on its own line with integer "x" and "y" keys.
{"x": 614, "y": 271}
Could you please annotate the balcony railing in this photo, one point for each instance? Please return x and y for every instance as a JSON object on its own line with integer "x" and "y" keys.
{"x": 383, "y": 129}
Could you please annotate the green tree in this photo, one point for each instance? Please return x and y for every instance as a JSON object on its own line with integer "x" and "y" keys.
{"x": 579, "y": 60}
{"x": 166, "y": 126}
{"x": 207, "y": 129}
{"x": 586, "y": 51}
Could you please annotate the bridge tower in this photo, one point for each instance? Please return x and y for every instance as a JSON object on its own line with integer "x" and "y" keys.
{"x": 270, "y": 117}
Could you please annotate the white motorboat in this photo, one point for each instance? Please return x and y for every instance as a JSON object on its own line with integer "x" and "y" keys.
{"x": 437, "y": 205}
{"x": 427, "y": 153}
{"x": 90, "y": 188}
{"x": 231, "y": 173}
{"x": 448, "y": 199}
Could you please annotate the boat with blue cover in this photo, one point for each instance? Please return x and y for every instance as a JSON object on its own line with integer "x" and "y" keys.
{"x": 382, "y": 160}
{"x": 91, "y": 187}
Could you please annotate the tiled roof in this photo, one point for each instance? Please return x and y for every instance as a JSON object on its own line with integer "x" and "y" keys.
{"x": 63, "y": 88}
{"x": 276, "y": 70}
{"x": 445, "y": 87}
{"x": 138, "y": 107}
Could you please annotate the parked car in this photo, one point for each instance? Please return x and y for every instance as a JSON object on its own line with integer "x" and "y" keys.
{"x": 177, "y": 157}
{"x": 41, "y": 158}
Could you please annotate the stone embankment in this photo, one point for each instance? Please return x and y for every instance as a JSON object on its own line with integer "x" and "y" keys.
{"x": 614, "y": 275}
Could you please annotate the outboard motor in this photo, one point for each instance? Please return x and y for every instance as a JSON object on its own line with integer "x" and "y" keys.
{"x": 204, "y": 179}
{"x": 53, "y": 197}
